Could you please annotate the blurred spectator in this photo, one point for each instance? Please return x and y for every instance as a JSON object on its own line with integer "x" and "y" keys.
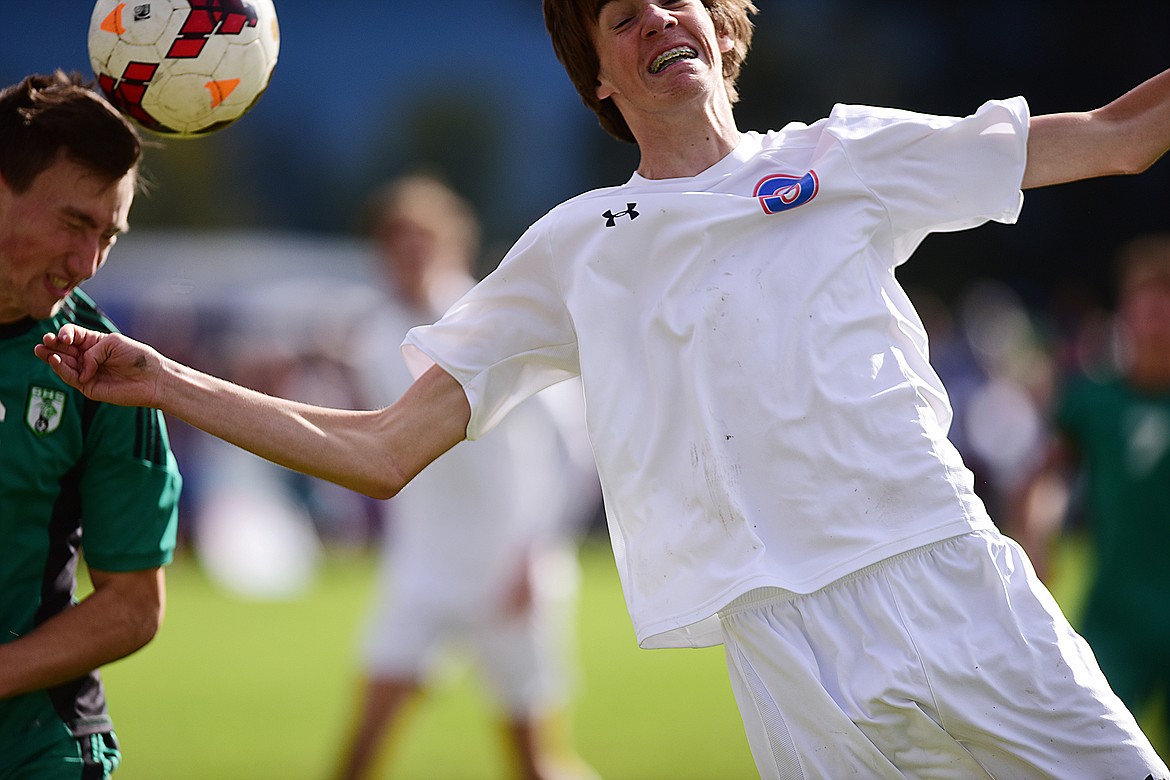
{"x": 478, "y": 548}
{"x": 1116, "y": 428}
{"x": 989, "y": 355}
{"x": 1003, "y": 417}
{"x": 257, "y": 527}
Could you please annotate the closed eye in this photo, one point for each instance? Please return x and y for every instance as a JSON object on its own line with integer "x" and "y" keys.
{"x": 80, "y": 222}
{"x": 614, "y": 16}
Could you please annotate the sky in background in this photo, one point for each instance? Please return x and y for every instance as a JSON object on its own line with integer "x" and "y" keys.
{"x": 352, "y": 79}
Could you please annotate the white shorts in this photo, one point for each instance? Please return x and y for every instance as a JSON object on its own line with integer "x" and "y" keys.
{"x": 950, "y": 661}
{"x": 526, "y": 660}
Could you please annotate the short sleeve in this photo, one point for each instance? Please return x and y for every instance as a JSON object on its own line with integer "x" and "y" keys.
{"x": 938, "y": 173}
{"x": 506, "y": 339}
{"x": 129, "y": 491}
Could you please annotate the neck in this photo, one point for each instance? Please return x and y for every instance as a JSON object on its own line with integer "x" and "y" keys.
{"x": 672, "y": 149}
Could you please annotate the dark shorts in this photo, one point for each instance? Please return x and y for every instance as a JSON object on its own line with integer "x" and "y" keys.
{"x": 93, "y": 757}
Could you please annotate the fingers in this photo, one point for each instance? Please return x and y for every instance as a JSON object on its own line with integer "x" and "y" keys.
{"x": 73, "y": 336}
{"x": 64, "y": 337}
{"x": 46, "y": 354}
{"x": 57, "y": 344}
{"x": 61, "y": 339}
{"x": 57, "y": 361}
{"x": 65, "y": 352}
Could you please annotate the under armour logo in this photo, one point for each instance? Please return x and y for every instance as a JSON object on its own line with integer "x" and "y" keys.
{"x": 611, "y": 218}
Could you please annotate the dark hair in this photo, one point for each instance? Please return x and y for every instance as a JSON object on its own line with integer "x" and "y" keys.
{"x": 570, "y": 22}
{"x": 45, "y": 116}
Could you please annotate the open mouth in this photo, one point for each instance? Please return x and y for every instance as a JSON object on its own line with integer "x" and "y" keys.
{"x": 59, "y": 285}
{"x": 668, "y": 58}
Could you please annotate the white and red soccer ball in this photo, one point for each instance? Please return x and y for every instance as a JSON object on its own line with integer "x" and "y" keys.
{"x": 183, "y": 67}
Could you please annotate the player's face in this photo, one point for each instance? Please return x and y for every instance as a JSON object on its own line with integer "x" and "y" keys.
{"x": 410, "y": 249}
{"x": 1146, "y": 313}
{"x": 55, "y": 235}
{"x": 654, "y": 52}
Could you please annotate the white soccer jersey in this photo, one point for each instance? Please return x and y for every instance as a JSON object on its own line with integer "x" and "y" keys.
{"x": 758, "y": 394}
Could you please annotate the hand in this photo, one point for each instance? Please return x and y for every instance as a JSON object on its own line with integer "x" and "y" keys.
{"x": 105, "y": 366}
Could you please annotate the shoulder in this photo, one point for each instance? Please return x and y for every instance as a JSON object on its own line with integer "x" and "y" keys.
{"x": 842, "y": 117}
{"x": 1084, "y": 398}
{"x": 563, "y": 224}
{"x": 1094, "y": 383}
{"x": 855, "y": 120}
{"x": 580, "y": 203}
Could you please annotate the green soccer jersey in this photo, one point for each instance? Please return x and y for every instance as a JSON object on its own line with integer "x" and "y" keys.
{"x": 76, "y": 477}
{"x": 1123, "y": 437}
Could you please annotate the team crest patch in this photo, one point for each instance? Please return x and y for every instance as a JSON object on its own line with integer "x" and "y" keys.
{"x": 46, "y": 407}
{"x": 781, "y": 192}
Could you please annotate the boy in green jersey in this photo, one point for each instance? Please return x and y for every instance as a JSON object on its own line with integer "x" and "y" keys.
{"x": 75, "y": 475}
{"x": 1116, "y": 428}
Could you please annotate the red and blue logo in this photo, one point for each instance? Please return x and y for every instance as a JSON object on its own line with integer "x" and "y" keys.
{"x": 782, "y": 192}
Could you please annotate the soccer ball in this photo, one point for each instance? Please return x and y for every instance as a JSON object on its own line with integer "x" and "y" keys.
{"x": 183, "y": 67}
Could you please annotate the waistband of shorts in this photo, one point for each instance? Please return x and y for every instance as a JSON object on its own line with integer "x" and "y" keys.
{"x": 772, "y": 595}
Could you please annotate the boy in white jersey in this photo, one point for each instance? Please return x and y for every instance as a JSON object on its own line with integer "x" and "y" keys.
{"x": 770, "y": 437}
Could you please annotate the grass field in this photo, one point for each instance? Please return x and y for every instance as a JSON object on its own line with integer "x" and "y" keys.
{"x": 235, "y": 690}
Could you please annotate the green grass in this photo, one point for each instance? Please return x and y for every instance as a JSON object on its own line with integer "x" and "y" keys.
{"x": 236, "y": 690}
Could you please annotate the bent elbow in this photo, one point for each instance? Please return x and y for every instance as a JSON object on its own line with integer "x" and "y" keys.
{"x": 147, "y": 635}
{"x": 1138, "y": 165}
{"x": 144, "y": 628}
{"x": 1129, "y": 160}
{"x": 1138, "y": 150}
{"x": 381, "y": 484}
{"x": 380, "y": 490}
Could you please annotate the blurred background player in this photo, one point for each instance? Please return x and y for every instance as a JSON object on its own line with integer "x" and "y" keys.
{"x": 74, "y": 473}
{"x": 1114, "y": 445}
{"x": 479, "y": 549}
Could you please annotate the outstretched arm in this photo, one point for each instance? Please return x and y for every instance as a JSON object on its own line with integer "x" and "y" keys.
{"x": 1126, "y": 136}
{"x": 373, "y": 452}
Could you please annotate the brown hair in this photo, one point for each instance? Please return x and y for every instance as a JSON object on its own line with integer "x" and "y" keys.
{"x": 425, "y": 199}
{"x": 46, "y": 115}
{"x": 570, "y": 22}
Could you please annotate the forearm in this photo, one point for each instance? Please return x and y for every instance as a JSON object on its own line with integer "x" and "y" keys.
{"x": 1143, "y": 114}
{"x": 372, "y": 452}
{"x": 1126, "y": 136}
{"x": 101, "y": 629}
